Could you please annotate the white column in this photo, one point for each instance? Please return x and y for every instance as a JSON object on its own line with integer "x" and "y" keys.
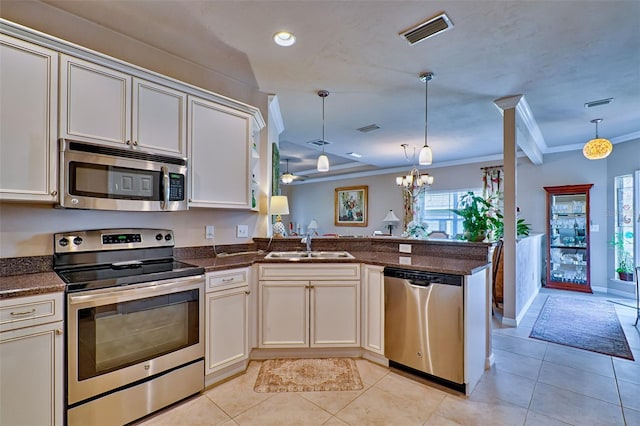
{"x": 520, "y": 129}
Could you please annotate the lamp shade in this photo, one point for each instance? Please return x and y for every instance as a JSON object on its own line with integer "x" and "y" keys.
{"x": 313, "y": 224}
{"x": 391, "y": 217}
{"x": 426, "y": 156}
{"x": 279, "y": 205}
{"x": 323, "y": 163}
{"x": 597, "y": 149}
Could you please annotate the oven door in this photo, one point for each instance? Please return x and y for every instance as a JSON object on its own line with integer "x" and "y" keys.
{"x": 120, "y": 335}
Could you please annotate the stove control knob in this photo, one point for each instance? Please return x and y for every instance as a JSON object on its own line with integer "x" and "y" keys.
{"x": 63, "y": 242}
{"x": 77, "y": 241}
{"x": 167, "y": 237}
{"x": 159, "y": 237}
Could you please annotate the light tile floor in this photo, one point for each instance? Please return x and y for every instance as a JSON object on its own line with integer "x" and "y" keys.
{"x": 532, "y": 383}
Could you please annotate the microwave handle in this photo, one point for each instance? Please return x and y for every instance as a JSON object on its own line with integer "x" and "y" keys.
{"x": 166, "y": 188}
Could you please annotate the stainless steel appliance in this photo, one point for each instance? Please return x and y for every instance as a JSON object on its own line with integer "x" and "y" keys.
{"x": 134, "y": 324}
{"x": 105, "y": 178}
{"x": 424, "y": 324}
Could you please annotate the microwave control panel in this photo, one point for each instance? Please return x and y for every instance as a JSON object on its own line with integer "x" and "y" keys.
{"x": 176, "y": 187}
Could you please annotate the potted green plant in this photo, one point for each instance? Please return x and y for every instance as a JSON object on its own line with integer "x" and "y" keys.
{"x": 478, "y": 216}
{"x": 625, "y": 261}
{"x": 625, "y": 267}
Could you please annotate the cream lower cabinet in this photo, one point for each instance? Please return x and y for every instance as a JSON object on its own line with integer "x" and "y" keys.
{"x": 28, "y": 122}
{"x": 296, "y": 311}
{"x": 31, "y": 363}
{"x": 227, "y": 319}
{"x": 373, "y": 308}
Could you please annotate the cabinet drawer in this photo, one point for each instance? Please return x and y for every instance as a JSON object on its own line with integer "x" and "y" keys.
{"x": 324, "y": 271}
{"x": 227, "y": 279}
{"x": 28, "y": 311}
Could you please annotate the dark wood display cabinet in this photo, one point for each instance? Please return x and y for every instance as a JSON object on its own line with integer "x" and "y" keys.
{"x": 568, "y": 237}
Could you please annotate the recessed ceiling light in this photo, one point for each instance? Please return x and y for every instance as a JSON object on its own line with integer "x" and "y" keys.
{"x": 284, "y": 38}
{"x": 354, "y": 154}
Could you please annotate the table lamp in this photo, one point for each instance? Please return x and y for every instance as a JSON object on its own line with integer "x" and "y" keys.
{"x": 313, "y": 227}
{"x": 391, "y": 219}
{"x": 279, "y": 206}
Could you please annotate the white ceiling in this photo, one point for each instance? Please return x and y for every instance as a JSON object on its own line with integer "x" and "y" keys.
{"x": 559, "y": 54}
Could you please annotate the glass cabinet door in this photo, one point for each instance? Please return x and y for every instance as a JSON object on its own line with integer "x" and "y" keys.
{"x": 568, "y": 237}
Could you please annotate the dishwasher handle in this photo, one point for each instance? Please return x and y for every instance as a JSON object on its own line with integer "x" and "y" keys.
{"x": 423, "y": 278}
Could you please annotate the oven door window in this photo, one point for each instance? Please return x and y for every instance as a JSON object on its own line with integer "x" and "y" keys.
{"x": 115, "y": 336}
{"x": 95, "y": 180}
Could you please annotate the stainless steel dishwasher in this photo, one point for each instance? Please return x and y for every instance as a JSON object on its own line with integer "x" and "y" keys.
{"x": 424, "y": 323}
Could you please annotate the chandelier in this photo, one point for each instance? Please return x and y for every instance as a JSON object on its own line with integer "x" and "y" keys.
{"x": 414, "y": 182}
{"x": 597, "y": 148}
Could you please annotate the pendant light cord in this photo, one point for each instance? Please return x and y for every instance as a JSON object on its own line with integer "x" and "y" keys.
{"x": 426, "y": 104}
{"x": 323, "y": 124}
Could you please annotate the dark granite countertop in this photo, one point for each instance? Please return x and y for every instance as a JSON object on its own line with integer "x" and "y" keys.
{"x": 30, "y": 284}
{"x": 48, "y": 282}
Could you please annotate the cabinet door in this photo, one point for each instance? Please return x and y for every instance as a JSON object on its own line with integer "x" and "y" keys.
{"x": 95, "y": 102}
{"x": 335, "y": 313}
{"x": 219, "y": 147}
{"x": 31, "y": 383}
{"x": 373, "y": 309}
{"x": 227, "y": 332}
{"x": 284, "y": 314}
{"x": 28, "y": 126}
{"x": 159, "y": 115}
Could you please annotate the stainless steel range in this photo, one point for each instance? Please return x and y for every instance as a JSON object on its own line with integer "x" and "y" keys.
{"x": 135, "y": 324}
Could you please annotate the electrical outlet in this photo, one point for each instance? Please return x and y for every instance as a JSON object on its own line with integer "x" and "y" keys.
{"x": 242, "y": 231}
{"x": 209, "y": 232}
{"x": 404, "y": 248}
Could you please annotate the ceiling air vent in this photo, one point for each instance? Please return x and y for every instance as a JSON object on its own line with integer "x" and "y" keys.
{"x": 319, "y": 142}
{"x": 369, "y": 128}
{"x": 428, "y": 28}
{"x": 598, "y": 103}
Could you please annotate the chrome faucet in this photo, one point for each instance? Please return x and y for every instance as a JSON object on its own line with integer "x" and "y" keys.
{"x": 307, "y": 240}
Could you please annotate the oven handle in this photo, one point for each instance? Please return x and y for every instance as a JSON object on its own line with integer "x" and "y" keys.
{"x": 138, "y": 291}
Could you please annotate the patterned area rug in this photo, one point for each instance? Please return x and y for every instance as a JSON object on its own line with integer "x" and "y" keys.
{"x": 584, "y": 324}
{"x": 308, "y": 375}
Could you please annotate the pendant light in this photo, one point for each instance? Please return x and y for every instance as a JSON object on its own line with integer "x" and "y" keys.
{"x": 426, "y": 156}
{"x": 287, "y": 177}
{"x": 323, "y": 160}
{"x": 597, "y": 148}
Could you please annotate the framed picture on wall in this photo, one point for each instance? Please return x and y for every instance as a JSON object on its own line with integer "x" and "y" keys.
{"x": 351, "y": 206}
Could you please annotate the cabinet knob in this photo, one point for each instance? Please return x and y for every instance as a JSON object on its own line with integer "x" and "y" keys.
{"x": 128, "y": 142}
{"x": 135, "y": 143}
{"x": 54, "y": 193}
{"x": 58, "y": 332}
{"x": 247, "y": 292}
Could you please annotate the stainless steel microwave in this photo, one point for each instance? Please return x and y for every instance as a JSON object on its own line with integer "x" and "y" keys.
{"x": 105, "y": 178}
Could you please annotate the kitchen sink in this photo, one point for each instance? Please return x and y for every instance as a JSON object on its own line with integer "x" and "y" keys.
{"x": 296, "y": 255}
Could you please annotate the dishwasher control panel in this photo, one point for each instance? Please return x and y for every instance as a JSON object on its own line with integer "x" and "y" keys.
{"x": 423, "y": 277}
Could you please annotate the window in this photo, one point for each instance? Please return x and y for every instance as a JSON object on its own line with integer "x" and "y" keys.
{"x": 433, "y": 209}
{"x": 624, "y": 223}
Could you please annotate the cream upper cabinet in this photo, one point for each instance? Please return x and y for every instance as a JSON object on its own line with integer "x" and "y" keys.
{"x": 31, "y": 363}
{"x": 373, "y": 308}
{"x": 28, "y": 122}
{"x": 227, "y": 319}
{"x": 220, "y": 146}
{"x": 309, "y": 306}
{"x": 101, "y": 105}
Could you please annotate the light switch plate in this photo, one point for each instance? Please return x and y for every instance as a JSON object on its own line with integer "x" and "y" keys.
{"x": 594, "y": 228}
{"x": 242, "y": 231}
{"x": 404, "y": 248}
{"x": 404, "y": 260}
{"x": 209, "y": 232}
